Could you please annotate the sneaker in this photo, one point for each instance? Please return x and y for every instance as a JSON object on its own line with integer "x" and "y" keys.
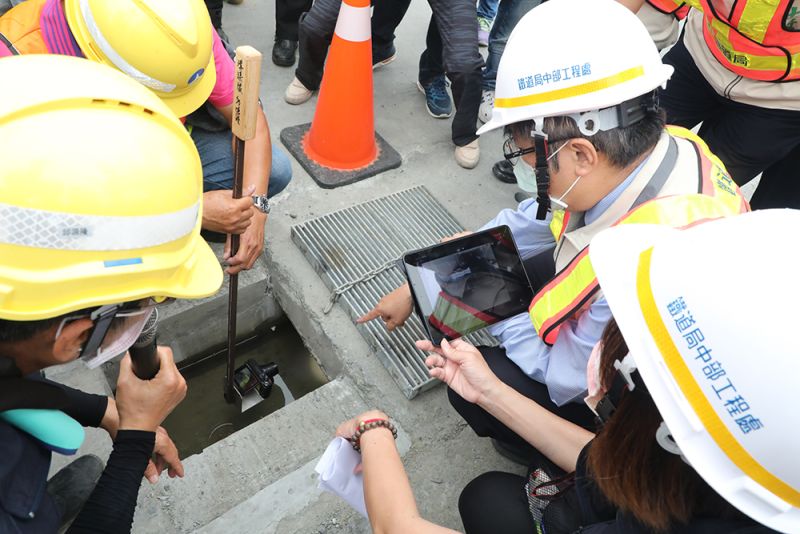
{"x": 437, "y": 99}
{"x": 382, "y": 59}
{"x": 487, "y": 104}
{"x": 484, "y": 27}
{"x": 297, "y": 93}
{"x": 467, "y": 156}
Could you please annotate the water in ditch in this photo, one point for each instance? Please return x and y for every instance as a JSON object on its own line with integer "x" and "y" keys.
{"x": 204, "y": 418}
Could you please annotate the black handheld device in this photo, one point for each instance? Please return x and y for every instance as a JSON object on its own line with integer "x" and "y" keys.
{"x": 468, "y": 283}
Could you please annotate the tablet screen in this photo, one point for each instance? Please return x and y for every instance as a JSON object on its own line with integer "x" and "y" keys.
{"x": 468, "y": 283}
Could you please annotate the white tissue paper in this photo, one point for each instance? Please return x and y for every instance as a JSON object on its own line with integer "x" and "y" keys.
{"x": 336, "y": 475}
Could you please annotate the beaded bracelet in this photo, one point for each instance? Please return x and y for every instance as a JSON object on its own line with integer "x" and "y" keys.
{"x": 369, "y": 424}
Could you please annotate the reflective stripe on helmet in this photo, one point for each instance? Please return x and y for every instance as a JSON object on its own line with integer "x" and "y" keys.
{"x": 116, "y": 59}
{"x": 68, "y": 231}
{"x": 569, "y": 92}
{"x": 716, "y": 428}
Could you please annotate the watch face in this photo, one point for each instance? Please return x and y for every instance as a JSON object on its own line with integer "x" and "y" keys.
{"x": 261, "y": 203}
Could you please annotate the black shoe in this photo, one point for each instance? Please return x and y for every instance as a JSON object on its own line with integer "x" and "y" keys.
{"x": 520, "y": 196}
{"x": 283, "y": 52}
{"x": 504, "y": 171}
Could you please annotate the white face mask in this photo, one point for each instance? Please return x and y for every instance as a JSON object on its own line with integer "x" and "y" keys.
{"x": 526, "y": 179}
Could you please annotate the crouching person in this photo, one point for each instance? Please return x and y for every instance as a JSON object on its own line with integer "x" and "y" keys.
{"x": 694, "y": 438}
{"x": 99, "y": 221}
{"x": 171, "y": 48}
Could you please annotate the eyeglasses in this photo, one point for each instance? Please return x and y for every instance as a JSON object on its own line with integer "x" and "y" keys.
{"x": 512, "y": 153}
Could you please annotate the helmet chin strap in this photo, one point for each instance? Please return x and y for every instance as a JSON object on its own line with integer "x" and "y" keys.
{"x": 542, "y": 177}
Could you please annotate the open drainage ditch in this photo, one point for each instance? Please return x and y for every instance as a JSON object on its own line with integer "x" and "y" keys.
{"x": 204, "y": 418}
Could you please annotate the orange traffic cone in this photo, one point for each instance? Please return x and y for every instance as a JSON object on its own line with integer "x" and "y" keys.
{"x": 340, "y": 146}
{"x": 342, "y": 134}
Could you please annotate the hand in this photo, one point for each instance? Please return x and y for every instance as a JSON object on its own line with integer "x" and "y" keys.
{"x": 144, "y": 404}
{"x": 251, "y": 244}
{"x": 395, "y": 308}
{"x": 347, "y": 429}
{"x": 462, "y": 367}
{"x": 222, "y": 213}
{"x": 166, "y": 457}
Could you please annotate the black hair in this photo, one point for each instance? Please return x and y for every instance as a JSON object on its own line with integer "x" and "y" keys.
{"x": 15, "y": 331}
{"x": 621, "y": 146}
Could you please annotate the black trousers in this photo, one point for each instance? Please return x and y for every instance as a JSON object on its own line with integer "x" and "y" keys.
{"x": 486, "y": 425}
{"x": 495, "y": 503}
{"x": 452, "y": 49}
{"x": 215, "y": 11}
{"x": 316, "y": 33}
{"x": 287, "y": 17}
{"x": 748, "y": 139}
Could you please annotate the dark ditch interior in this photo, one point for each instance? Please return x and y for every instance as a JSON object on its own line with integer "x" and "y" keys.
{"x": 204, "y": 418}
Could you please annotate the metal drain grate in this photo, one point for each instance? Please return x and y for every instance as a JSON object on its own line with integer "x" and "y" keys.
{"x": 355, "y": 248}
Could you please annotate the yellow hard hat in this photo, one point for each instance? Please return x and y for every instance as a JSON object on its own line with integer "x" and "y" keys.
{"x": 165, "y": 45}
{"x": 100, "y": 192}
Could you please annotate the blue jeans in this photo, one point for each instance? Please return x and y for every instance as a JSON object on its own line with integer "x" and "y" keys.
{"x": 487, "y": 9}
{"x": 508, "y": 14}
{"x": 216, "y": 155}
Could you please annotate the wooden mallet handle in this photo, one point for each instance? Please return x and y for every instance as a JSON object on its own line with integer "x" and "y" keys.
{"x": 245, "y": 97}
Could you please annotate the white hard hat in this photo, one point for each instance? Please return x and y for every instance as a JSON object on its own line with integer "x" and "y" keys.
{"x": 709, "y": 315}
{"x": 571, "y": 56}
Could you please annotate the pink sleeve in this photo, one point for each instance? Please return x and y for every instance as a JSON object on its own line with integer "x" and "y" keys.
{"x": 4, "y": 51}
{"x": 222, "y": 93}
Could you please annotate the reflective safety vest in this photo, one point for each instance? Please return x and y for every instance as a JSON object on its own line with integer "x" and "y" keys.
{"x": 680, "y": 185}
{"x": 757, "y": 39}
{"x": 20, "y": 29}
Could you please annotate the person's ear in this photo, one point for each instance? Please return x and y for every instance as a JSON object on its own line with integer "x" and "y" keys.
{"x": 72, "y": 337}
{"x": 585, "y": 156}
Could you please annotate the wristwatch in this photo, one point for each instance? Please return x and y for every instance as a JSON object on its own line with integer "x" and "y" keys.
{"x": 261, "y": 202}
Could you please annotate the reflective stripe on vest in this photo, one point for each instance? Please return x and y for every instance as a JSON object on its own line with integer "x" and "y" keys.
{"x": 750, "y": 38}
{"x": 21, "y": 27}
{"x": 575, "y": 286}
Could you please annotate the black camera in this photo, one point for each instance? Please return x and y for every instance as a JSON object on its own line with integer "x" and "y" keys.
{"x": 252, "y": 376}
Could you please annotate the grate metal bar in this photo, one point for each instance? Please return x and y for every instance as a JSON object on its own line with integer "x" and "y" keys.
{"x": 346, "y": 245}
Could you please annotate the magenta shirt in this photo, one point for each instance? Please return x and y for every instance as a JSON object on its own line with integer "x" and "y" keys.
{"x": 59, "y": 40}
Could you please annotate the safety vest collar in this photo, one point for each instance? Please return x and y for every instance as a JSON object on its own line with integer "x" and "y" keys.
{"x": 575, "y": 286}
